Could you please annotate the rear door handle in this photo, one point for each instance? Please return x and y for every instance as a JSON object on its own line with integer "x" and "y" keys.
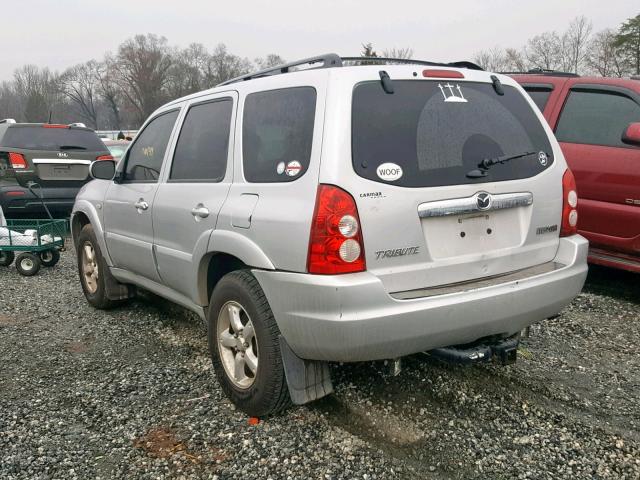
{"x": 141, "y": 205}
{"x": 200, "y": 211}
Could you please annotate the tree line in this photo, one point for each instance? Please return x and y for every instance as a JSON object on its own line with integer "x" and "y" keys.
{"x": 608, "y": 53}
{"x": 124, "y": 88}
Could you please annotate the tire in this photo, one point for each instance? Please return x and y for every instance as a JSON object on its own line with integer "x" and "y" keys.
{"x": 6, "y": 258}
{"x": 49, "y": 257}
{"x": 94, "y": 289}
{"x": 261, "y": 392}
{"x": 28, "y": 264}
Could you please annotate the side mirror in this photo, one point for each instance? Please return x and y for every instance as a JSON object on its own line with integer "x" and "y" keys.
{"x": 103, "y": 169}
{"x": 631, "y": 135}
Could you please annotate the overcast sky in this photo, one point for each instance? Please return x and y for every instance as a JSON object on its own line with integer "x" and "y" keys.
{"x": 61, "y": 33}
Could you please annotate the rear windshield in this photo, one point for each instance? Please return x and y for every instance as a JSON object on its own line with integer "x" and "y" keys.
{"x": 38, "y": 137}
{"x": 436, "y": 132}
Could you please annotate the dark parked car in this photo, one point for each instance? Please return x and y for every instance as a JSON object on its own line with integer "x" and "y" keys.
{"x": 55, "y": 157}
{"x": 597, "y": 122}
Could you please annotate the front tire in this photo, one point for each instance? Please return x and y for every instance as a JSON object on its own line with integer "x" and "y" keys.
{"x": 28, "y": 264}
{"x": 244, "y": 346}
{"x": 92, "y": 269}
{"x": 6, "y": 258}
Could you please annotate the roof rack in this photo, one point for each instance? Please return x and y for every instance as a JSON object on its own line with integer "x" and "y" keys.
{"x": 543, "y": 71}
{"x": 388, "y": 60}
{"x": 332, "y": 60}
{"x": 7, "y": 120}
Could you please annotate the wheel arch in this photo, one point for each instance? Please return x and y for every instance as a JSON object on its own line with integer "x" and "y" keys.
{"x": 84, "y": 213}
{"x": 227, "y": 252}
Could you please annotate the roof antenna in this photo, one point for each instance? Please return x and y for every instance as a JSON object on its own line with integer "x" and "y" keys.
{"x": 387, "y": 85}
{"x": 497, "y": 85}
{"x": 50, "y": 113}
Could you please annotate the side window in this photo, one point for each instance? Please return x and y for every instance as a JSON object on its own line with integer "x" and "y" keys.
{"x": 539, "y": 95}
{"x": 596, "y": 118}
{"x": 277, "y": 134}
{"x": 145, "y": 156}
{"x": 203, "y": 144}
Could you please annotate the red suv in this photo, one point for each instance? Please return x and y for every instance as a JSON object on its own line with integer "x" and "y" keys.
{"x": 597, "y": 122}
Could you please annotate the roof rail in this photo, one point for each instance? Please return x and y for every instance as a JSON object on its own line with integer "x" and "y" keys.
{"x": 327, "y": 61}
{"x": 543, "y": 71}
{"x": 7, "y": 120}
{"x": 331, "y": 60}
{"x": 409, "y": 61}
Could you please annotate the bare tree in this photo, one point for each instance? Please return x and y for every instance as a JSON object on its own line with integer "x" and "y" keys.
{"x": 11, "y": 104}
{"x": 545, "y": 51}
{"x": 576, "y": 41}
{"x": 515, "y": 60}
{"x": 141, "y": 70}
{"x": 605, "y": 58}
{"x": 494, "y": 60}
{"x": 271, "y": 60}
{"x": 80, "y": 85}
{"x": 39, "y": 90}
{"x": 223, "y": 65}
{"x": 402, "y": 53}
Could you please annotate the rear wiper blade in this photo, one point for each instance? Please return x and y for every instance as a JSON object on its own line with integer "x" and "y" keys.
{"x": 72, "y": 147}
{"x": 487, "y": 163}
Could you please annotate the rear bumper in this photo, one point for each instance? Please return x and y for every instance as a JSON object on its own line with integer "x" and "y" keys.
{"x": 17, "y": 200}
{"x": 352, "y": 318}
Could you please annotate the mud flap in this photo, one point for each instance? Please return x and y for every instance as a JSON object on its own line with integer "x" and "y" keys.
{"x": 308, "y": 380}
{"x": 114, "y": 290}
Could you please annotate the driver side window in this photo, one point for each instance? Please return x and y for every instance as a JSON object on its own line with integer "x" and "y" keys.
{"x": 145, "y": 156}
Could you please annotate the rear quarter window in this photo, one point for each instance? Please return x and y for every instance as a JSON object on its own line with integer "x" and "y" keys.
{"x": 38, "y": 137}
{"x": 539, "y": 95}
{"x": 277, "y": 134}
{"x": 436, "y": 132}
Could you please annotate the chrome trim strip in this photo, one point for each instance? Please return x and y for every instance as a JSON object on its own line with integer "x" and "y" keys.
{"x": 60, "y": 161}
{"x": 466, "y": 205}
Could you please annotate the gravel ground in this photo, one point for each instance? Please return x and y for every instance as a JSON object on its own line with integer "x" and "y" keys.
{"x": 130, "y": 393}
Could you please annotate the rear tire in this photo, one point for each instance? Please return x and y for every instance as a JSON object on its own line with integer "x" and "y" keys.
{"x": 92, "y": 268}
{"x": 6, "y": 258}
{"x": 28, "y": 264}
{"x": 49, "y": 257}
{"x": 246, "y": 358}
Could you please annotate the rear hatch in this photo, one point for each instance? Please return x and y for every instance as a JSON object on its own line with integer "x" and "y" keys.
{"x": 430, "y": 216}
{"x": 54, "y": 155}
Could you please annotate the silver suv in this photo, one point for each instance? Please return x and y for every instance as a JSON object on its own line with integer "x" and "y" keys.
{"x": 328, "y": 211}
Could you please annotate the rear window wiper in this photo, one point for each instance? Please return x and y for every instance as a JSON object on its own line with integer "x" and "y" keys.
{"x": 487, "y": 163}
{"x": 72, "y": 147}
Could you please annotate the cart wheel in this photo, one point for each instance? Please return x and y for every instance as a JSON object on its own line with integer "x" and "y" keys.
{"x": 6, "y": 258}
{"x": 49, "y": 257}
{"x": 28, "y": 264}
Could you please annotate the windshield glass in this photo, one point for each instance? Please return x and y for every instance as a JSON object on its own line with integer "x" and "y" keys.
{"x": 437, "y": 131}
{"x": 37, "y": 137}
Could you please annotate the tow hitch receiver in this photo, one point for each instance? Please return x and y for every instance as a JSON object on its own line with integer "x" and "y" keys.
{"x": 504, "y": 351}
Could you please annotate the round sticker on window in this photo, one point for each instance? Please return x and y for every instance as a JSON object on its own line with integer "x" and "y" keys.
{"x": 280, "y": 168}
{"x": 542, "y": 158}
{"x": 293, "y": 168}
{"x": 389, "y": 172}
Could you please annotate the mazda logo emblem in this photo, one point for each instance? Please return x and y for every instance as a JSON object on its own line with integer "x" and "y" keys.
{"x": 484, "y": 201}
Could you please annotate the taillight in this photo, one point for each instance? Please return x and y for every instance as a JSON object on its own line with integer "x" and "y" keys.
{"x": 105, "y": 157}
{"x": 569, "y": 205}
{"x": 434, "y": 73}
{"x": 17, "y": 161}
{"x": 335, "y": 243}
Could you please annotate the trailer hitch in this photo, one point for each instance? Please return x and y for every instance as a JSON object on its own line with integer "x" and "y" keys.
{"x": 504, "y": 351}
